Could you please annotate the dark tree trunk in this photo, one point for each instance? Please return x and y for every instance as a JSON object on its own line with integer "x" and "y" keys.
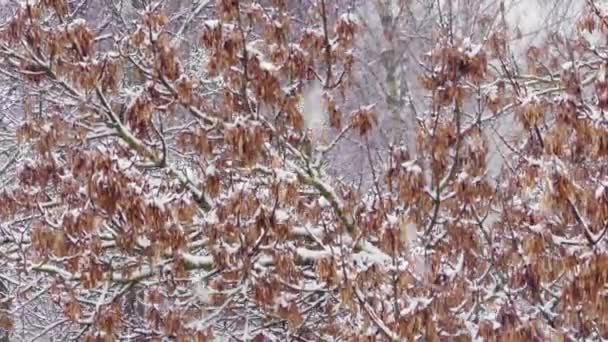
{"x": 4, "y": 307}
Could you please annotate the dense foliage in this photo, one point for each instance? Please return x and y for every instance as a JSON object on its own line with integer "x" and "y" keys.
{"x": 301, "y": 171}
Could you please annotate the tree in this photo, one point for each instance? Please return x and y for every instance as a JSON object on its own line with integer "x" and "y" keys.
{"x": 181, "y": 173}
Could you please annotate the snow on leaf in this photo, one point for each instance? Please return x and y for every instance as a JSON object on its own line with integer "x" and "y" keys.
{"x": 282, "y": 216}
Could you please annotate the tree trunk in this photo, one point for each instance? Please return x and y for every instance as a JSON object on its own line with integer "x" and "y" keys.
{"x": 4, "y": 308}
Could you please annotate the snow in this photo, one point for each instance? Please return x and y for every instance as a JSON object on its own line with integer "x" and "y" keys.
{"x": 600, "y": 192}
{"x": 310, "y": 254}
{"x": 313, "y": 109}
{"x": 471, "y": 50}
{"x": 567, "y": 66}
{"x": 212, "y": 24}
{"x": 123, "y": 164}
{"x": 197, "y": 260}
{"x": 530, "y": 99}
{"x": 456, "y": 269}
{"x": 307, "y": 231}
{"x": 314, "y": 32}
{"x": 111, "y": 54}
{"x": 409, "y": 234}
{"x": 253, "y": 50}
{"x": 211, "y": 218}
{"x": 416, "y": 303}
{"x": 47, "y": 126}
{"x": 210, "y": 170}
{"x": 281, "y": 301}
{"x": 349, "y": 17}
{"x": 371, "y": 254}
{"x": 143, "y": 241}
{"x": 202, "y": 292}
{"x": 392, "y": 219}
{"x": 189, "y": 173}
{"x": 601, "y": 74}
{"x": 268, "y": 66}
{"x": 256, "y": 7}
{"x": 420, "y": 267}
{"x": 282, "y": 216}
{"x": 462, "y": 176}
{"x": 412, "y": 167}
{"x": 537, "y": 228}
{"x": 323, "y": 203}
{"x": 82, "y": 190}
{"x": 159, "y": 202}
{"x": 76, "y": 22}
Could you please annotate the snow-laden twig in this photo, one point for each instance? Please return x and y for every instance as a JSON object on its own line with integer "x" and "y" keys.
{"x": 202, "y": 4}
{"x": 203, "y": 324}
{"x": 377, "y": 321}
{"x": 47, "y": 329}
